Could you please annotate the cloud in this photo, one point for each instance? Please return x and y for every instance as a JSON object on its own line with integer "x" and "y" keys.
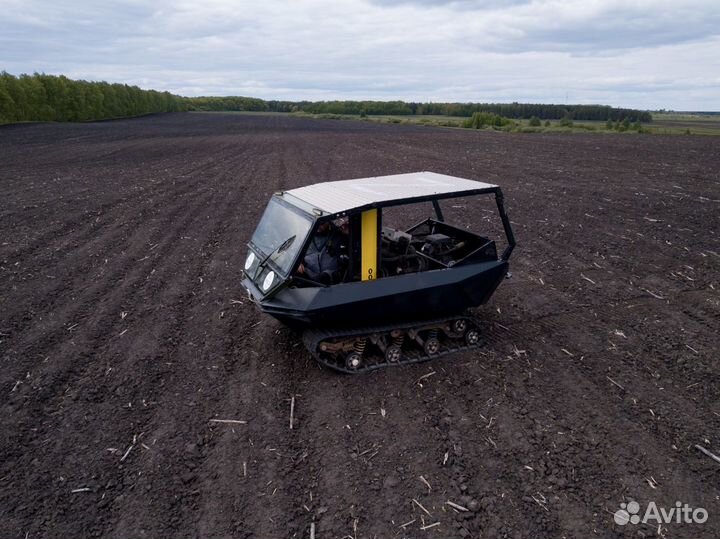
{"x": 475, "y": 5}
{"x": 645, "y": 53}
{"x": 614, "y": 25}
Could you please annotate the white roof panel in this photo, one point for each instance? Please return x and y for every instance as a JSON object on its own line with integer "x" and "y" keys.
{"x": 340, "y": 196}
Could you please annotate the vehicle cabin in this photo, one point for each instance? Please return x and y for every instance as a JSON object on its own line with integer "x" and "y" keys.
{"x": 332, "y": 233}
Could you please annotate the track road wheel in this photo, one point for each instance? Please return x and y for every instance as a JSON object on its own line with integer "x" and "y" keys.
{"x": 431, "y": 346}
{"x": 353, "y": 361}
{"x": 460, "y": 326}
{"x": 472, "y": 337}
{"x": 393, "y": 353}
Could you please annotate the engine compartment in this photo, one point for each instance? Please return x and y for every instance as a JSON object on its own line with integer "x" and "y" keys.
{"x": 431, "y": 245}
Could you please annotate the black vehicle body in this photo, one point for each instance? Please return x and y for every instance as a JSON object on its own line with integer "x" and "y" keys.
{"x": 387, "y": 300}
{"x": 427, "y": 280}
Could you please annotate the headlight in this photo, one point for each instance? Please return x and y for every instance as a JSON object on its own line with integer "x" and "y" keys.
{"x": 249, "y": 261}
{"x": 267, "y": 283}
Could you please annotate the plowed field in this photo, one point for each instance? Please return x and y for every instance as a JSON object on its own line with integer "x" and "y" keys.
{"x": 124, "y": 331}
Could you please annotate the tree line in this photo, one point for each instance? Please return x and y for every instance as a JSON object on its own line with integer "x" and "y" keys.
{"x": 402, "y": 108}
{"x": 41, "y": 97}
{"x": 542, "y": 111}
{"x": 311, "y": 107}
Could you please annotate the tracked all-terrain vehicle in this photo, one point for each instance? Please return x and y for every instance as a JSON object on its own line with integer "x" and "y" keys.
{"x": 368, "y": 295}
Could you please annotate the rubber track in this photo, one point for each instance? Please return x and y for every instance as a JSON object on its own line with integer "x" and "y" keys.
{"x": 313, "y": 337}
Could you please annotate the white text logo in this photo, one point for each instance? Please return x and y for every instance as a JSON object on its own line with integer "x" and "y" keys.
{"x": 682, "y": 513}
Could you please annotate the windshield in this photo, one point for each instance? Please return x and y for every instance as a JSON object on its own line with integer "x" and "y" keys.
{"x": 279, "y": 223}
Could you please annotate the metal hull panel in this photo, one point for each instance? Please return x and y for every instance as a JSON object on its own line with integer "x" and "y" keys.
{"x": 414, "y": 296}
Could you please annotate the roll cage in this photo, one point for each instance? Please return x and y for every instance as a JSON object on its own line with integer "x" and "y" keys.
{"x": 365, "y": 237}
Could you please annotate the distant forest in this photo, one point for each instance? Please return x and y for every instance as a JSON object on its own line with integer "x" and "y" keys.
{"x": 51, "y": 98}
{"x": 42, "y": 97}
{"x": 401, "y": 108}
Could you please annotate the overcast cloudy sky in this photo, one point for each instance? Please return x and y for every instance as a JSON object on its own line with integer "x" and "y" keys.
{"x": 643, "y": 53}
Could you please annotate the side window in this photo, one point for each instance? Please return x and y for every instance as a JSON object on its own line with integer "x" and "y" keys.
{"x": 407, "y": 215}
{"x": 398, "y": 252}
{"x": 326, "y": 261}
{"x": 477, "y": 214}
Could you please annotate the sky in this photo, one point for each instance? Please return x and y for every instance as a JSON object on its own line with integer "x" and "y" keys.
{"x": 648, "y": 54}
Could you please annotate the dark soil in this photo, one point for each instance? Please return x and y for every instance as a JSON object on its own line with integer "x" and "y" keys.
{"x": 124, "y": 331}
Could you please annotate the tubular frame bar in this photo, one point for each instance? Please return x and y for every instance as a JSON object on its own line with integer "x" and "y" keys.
{"x": 500, "y": 201}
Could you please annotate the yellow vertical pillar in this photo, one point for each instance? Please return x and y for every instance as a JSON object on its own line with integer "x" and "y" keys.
{"x": 368, "y": 244}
